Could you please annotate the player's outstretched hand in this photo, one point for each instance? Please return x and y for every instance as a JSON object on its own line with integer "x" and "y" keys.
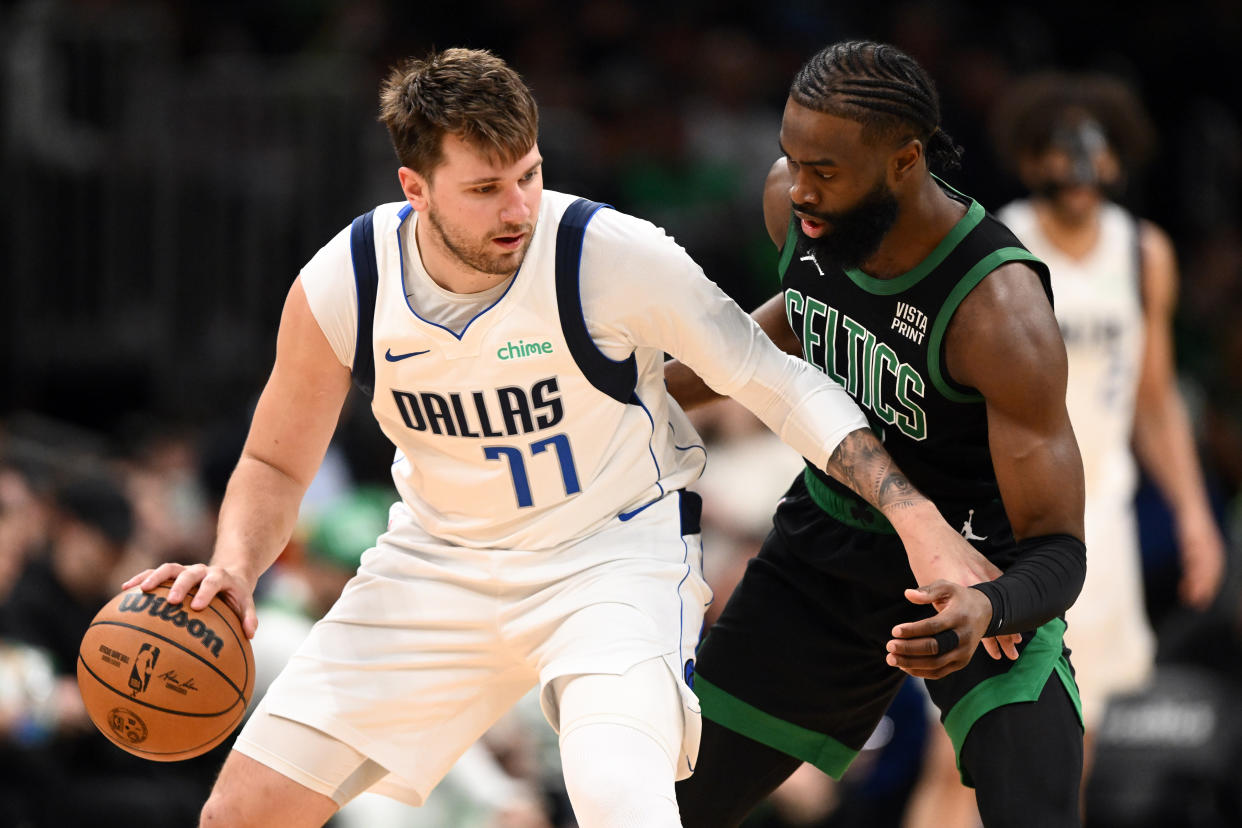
{"x": 209, "y": 581}
{"x": 934, "y": 647}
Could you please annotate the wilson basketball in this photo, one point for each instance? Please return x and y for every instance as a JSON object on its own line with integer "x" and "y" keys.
{"x": 161, "y": 680}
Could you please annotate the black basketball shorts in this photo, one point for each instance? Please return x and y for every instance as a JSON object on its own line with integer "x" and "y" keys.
{"x": 797, "y": 659}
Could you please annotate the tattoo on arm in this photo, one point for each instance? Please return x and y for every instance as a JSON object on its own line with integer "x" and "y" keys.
{"x": 861, "y": 463}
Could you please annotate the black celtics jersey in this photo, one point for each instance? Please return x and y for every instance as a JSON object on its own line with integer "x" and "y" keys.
{"x": 883, "y": 340}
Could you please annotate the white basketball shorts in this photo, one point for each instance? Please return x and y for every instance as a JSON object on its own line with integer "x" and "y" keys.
{"x": 429, "y": 644}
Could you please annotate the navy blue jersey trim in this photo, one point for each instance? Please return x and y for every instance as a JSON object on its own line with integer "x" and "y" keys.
{"x": 616, "y": 379}
{"x": 691, "y": 512}
{"x": 366, "y": 279}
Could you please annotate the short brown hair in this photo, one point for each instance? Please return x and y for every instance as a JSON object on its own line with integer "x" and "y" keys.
{"x": 469, "y": 93}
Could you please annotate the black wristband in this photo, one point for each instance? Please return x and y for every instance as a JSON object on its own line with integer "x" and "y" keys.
{"x": 1040, "y": 585}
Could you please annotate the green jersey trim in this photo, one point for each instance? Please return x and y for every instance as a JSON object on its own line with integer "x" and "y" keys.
{"x": 1041, "y": 658}
{"x": 856, "y": 513}
{"x": 791, "y": 241}
{"x": 968, "y": 283}
{"x": 887, "y": 287}
{"x": 819, "y": 749}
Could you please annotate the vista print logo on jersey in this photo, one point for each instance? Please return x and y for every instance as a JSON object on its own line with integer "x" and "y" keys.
{"x": 910, "y": 322}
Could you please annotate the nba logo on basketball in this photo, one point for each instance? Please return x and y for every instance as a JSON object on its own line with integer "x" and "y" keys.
{"x": 144, "y": 665}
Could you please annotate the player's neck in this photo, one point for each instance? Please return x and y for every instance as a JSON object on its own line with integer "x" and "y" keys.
{"x": 924, "y": 218}
{"x": 1074, "y": 233}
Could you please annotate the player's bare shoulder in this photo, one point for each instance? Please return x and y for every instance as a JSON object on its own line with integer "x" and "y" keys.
{"x": 776, "y": 201}
{"x": 1005, "y": 327}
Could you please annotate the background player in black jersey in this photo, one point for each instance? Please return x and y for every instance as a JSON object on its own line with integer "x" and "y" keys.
{"x": 939, "y": 322}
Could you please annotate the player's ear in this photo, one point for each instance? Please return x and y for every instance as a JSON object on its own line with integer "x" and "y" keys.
{"x": 415, "y": 187}
{"x": 905, "y": 159}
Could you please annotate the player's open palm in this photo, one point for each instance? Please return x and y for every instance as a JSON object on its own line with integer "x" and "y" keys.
{"x": 209, "y": 581}
{"x": 934, "y": 647}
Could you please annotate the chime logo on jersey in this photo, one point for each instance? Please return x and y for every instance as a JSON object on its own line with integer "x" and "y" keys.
{"x": 521, "y": 349}
{"x": 868, "y": 368}
{"x": 499, "y": 412}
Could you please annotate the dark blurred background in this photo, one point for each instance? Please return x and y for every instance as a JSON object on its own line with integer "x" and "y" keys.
{"x": 166, "y": 168}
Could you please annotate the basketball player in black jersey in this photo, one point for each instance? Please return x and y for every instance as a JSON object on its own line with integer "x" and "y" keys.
{"x": 940, "y": 324}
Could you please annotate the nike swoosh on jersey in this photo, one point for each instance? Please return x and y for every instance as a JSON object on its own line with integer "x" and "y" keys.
{"x": 391, "y": 357}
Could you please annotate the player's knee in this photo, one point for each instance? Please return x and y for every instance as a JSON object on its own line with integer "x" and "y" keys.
{"x": 618, "y": 777}
{"x": 221, "y": 811}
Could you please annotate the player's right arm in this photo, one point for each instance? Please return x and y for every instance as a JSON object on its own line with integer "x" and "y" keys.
{"x": 1004, "y": 342}
{"x": 293, "y": 423}
{"x": 683, "y": 384}
{"x": 936, "y": 551}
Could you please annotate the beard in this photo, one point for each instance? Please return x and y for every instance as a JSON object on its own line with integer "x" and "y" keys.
{"x": 855, "y": 234}
{"x": 480, "y": 255}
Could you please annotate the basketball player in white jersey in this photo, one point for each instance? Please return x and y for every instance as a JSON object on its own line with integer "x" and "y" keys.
{"x": 1070, "y": 139}
{"x": 514, "y": 340}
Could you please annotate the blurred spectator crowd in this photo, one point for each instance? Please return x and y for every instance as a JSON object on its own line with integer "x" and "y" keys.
{"x": 169, "y": 166}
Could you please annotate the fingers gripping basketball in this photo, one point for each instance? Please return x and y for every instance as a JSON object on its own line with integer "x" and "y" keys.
{"x": 164, "y": 681}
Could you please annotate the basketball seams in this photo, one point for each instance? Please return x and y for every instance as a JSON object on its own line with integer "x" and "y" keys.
{"x": 137, "y": 701}
{"x": 229, "y": 623}
{"x": 186, "y": 753}
{"x": 240, "y": 693}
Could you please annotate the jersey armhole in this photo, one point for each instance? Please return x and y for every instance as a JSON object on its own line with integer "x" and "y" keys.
{"x": 366, "y": 279}
{"x": 616, "y": 378}
{"x": 1140, "y": 283}
{"x": 949, "y": 389}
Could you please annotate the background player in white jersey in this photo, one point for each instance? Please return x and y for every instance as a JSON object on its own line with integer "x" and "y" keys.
{"x": 543, "y": 536}
{"x": 1071, "y": 139}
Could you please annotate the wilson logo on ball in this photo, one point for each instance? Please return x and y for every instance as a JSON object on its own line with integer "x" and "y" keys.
{"x": 157, "y": 607}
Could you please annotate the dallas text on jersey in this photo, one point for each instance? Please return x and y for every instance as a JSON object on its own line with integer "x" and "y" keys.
{"x": 511, "y": 409}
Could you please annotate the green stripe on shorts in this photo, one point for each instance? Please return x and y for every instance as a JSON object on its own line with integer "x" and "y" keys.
{"x": 820, "y": 750}
{"x": 852, "y": 512}
{"x": 1024, "y": 681}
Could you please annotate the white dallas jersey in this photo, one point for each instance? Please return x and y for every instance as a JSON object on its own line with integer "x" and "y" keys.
{"x": 1099, "y": 307}
{"x": 546, "y": 416}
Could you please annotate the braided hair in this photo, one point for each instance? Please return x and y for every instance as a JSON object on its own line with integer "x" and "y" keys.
{"x": 882, "y": 88}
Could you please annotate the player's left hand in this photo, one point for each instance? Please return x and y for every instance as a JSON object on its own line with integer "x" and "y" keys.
{"x": 1203, "y": 560}
{"x": 939, "y": 553}
{"x": 934, "y": 647}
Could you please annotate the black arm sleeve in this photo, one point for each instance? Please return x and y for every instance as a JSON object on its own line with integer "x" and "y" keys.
{"x": 1041, "y": 585}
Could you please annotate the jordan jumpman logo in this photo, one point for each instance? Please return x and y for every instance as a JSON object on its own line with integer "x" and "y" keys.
{"x": 810, "y": 257}
{"x": 968, "y": 531}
